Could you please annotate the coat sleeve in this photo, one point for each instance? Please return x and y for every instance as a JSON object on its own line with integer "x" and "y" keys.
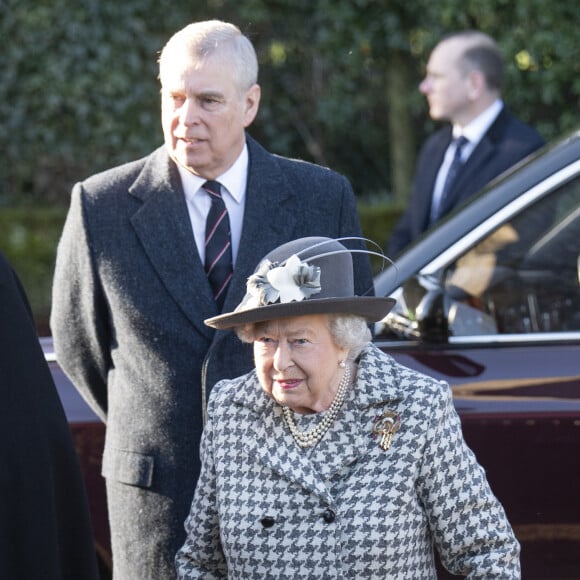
{"x": 468, "y": 523}
{"x": 80, "y": 317}
{"x": 202, "y": 556}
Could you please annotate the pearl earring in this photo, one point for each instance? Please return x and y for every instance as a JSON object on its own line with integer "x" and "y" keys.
{"x": 342, "y": 364}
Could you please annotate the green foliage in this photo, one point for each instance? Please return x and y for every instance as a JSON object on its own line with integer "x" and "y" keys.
{"x": 79, "y": 91}
{"x": 325, "y": 73}
{"x": 377, "y": 221}
{"x": 28, "y": 238}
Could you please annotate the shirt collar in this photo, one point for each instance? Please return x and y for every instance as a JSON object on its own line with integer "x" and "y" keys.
{"x": 234, "y": 179}
{"x": 476, "y": 129}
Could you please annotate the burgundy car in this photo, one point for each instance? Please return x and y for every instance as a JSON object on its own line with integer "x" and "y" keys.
{"x": 489, "y": 301}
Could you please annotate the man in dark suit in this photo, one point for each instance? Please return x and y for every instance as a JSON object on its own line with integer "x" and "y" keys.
{"x": 45, "y": 530}
{"x": 463, "y": 86}
{"x": 131, "y": 290}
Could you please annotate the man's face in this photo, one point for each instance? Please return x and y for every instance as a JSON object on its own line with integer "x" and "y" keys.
{"x": 204, "y": 115}
{"x": 447, "y": 88}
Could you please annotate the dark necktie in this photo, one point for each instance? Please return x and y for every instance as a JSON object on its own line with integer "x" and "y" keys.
{"x": 456, "y": 164}
{"x": 218, "y": 245}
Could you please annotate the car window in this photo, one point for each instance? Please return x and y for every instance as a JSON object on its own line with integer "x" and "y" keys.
{"x": 523, "y": 277}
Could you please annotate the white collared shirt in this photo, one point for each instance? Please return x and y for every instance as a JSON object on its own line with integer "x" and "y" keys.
{"x": 473, "y": 132}
{"x": 233, "y": 193}
{"x": 477, "y": 128}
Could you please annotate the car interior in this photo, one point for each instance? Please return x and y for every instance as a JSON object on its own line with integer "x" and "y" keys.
{"x": 524, "y": 277}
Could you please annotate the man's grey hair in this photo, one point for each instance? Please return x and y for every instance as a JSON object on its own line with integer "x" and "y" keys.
{"x": 481, "y": 53}
{"x": 200, "y": 41}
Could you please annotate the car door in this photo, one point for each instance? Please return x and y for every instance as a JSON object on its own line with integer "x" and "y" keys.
{"x": 497, "y": 315}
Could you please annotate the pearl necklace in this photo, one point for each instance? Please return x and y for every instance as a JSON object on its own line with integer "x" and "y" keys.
{"x": 310, "y": 438}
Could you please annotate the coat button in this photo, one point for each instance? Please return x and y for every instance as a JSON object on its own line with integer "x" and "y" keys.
{"x": 328, "y": 516}
{"x": 267, "y": 521}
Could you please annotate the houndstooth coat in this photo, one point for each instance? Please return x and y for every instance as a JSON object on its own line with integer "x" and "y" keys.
{"x": 263, "y": 508}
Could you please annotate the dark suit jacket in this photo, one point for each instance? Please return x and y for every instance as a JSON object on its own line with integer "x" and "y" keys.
{"x": 506, "y": 142}
{"x": 130, "y": 296}
{"x": 45, "y": 530}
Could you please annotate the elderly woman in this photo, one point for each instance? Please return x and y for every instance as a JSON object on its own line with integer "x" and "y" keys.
{"x": 331, "y": 460}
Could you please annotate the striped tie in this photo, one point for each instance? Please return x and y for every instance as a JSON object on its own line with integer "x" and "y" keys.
{"x": 455, "y": 166}
{"x": 218, "y": 245}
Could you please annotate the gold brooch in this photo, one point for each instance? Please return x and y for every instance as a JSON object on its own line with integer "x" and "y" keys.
{"x": 386, "y": 425}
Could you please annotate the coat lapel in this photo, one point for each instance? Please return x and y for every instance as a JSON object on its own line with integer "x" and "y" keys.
{"x": 376, "y": 389}
{"x": 164, "y": 229}
{"x": 479, "y": 158}
{"x": 269, "y": 219}
{"x": 271, "y": 443}
{"x": 426, "y": 176}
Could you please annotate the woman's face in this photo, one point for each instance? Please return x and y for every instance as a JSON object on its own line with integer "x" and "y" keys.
{"x": 298, "y": 363}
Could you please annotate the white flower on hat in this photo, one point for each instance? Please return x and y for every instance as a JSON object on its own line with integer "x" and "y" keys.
{"x": 293, "y": 281}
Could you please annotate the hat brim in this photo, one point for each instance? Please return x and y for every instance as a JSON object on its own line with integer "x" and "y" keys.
{"x": 370, "y": 307}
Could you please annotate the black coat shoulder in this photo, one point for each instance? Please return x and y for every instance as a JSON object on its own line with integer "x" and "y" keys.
{"x": 45, "y": 528}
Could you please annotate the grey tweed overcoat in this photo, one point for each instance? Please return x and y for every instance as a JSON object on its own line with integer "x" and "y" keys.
{"x": 345, "y": 509}
{"x": 129, "y": 299}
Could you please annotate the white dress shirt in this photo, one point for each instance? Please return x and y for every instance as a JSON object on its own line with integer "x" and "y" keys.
{"x": 233, "y": 191}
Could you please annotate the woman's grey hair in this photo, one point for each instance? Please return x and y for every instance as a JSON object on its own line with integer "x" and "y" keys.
{"x": 350, "y": 331}
{"x": 347, "y": 331}
{"x": 203, "y": 40}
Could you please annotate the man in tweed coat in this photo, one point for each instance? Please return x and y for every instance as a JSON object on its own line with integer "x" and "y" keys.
{"x": 131, "y": 293}
{"x": 371, "y": 497}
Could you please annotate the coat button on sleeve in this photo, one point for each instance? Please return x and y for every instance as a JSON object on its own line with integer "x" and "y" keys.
{"x": 328, "y": 516}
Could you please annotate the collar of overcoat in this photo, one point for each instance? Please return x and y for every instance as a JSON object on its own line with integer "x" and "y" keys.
{"x": 377, "y": 385}
{"x": 163, "y": 226}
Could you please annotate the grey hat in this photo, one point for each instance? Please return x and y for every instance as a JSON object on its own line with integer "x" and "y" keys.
{"x": 306, "y": 276}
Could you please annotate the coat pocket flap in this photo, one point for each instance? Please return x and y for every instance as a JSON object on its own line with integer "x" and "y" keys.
{"x": 128, "y": 467}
